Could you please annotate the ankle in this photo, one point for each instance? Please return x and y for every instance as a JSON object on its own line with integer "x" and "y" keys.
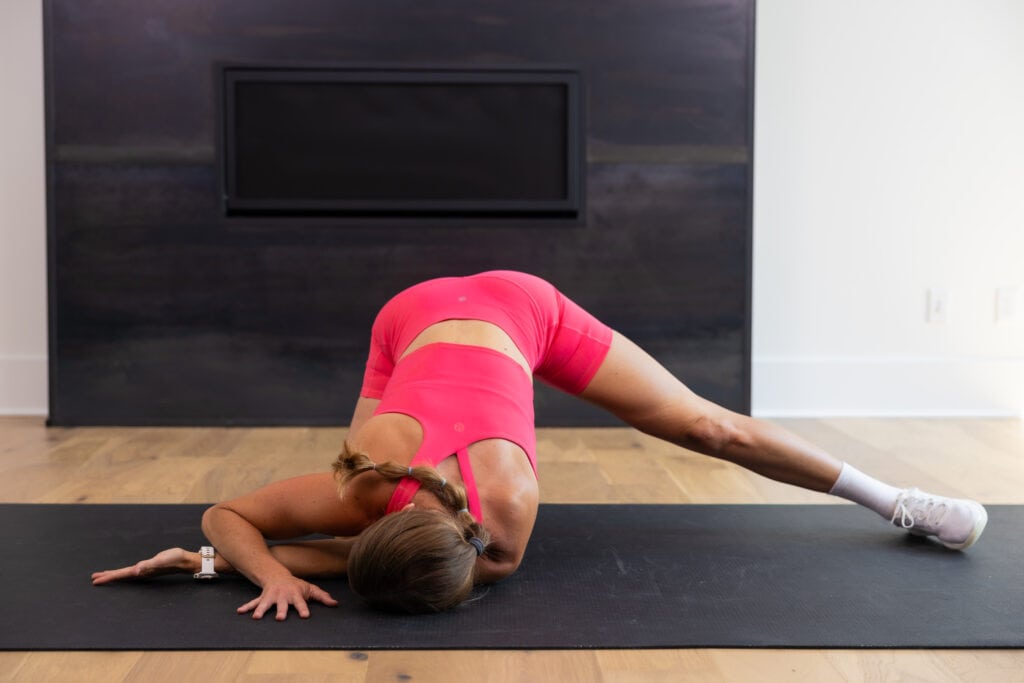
{"x": 855, "y": 486}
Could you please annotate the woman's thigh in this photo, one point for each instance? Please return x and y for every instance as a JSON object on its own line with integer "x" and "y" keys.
{"x": 638, "y": 389}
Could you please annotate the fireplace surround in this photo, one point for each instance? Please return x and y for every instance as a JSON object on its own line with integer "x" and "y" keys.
{"x": 172, "y": 301}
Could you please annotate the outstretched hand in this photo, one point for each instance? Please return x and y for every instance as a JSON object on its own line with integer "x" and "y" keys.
{"x": 284, "y": 592}
{"x": 170, "y": 561}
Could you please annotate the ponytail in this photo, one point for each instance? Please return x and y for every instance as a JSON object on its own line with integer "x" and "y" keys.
{"x": 416, "y": 561}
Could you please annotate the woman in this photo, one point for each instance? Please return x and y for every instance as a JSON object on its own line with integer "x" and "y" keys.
{"x": 437, "y": 479}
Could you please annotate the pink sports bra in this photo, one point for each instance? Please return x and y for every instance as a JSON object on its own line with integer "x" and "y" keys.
{"x": 460, "y": 395}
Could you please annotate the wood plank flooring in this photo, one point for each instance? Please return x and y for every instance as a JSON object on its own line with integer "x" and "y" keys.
{"x": 979, "y": 458}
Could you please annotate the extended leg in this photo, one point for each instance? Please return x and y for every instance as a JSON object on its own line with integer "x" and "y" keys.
{"x": 640, "y": 391}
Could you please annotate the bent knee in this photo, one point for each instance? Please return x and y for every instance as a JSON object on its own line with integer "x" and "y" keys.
{"x": 713, "y": 434}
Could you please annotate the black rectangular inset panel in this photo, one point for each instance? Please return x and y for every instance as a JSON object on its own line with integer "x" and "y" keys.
{"x": 400, "y": 141}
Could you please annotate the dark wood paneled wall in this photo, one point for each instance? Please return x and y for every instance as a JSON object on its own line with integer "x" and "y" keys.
{"x": 164, "y": 311}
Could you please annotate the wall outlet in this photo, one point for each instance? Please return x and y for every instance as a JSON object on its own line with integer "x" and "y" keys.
{"x": 938, "y": 305}
{"x": 1006, "y": 304}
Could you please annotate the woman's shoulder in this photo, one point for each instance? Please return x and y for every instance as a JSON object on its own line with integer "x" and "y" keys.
{"x": 509, "y": 517}
{"x": 509, "y": 498}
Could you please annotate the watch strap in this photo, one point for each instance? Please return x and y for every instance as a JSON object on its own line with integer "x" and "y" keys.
{"x": 207, "y": 555}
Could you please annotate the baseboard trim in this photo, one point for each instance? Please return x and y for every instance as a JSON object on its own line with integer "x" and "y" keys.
{"x": 888, "y": 387}
{"x": 782, "y": 387}
{"x": 23, "y": 385}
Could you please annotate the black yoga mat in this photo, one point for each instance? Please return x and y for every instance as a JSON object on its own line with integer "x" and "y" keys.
{"x": 595, "y": 576}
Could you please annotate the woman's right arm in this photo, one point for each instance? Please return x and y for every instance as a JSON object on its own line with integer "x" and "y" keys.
{"x": 363, "y": 412}
{"x": 239, "y": 529}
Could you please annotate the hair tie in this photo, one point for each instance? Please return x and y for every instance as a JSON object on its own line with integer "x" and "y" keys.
{"x": 463, "y": 510}
{"x": 444, "y": 482}
{"x": 410, "y": 471}
{"x": 373, "y": 466}
{"x": 478, "y": 544}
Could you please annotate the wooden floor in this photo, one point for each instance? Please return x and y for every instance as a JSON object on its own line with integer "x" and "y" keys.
{"x": 983, "y": 459}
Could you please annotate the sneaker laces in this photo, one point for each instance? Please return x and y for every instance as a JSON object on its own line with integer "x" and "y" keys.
{"x": 914, "y": 508}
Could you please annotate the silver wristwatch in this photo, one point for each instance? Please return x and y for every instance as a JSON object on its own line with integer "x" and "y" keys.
{"x": 207, "y": 554}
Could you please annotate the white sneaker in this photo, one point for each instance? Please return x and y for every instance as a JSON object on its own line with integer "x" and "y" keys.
{"x": 955, "y": 522}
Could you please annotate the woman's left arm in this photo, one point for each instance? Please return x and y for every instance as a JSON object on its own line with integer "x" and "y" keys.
{"x": 312, "y": 559}
{"x": 305, "y": 559}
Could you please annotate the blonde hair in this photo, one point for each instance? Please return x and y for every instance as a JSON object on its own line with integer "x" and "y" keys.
{"x": 419, "y": 560}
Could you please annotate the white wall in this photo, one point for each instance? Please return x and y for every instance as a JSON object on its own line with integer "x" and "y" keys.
{"x": 889, "y": 159}
{"x": 22, "y": 210}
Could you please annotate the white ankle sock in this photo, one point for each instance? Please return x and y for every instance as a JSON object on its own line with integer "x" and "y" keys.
{"x": 854, "y": 485}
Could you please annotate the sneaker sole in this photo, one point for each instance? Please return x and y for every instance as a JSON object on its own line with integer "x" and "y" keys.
{"x": 979, "y": 526}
